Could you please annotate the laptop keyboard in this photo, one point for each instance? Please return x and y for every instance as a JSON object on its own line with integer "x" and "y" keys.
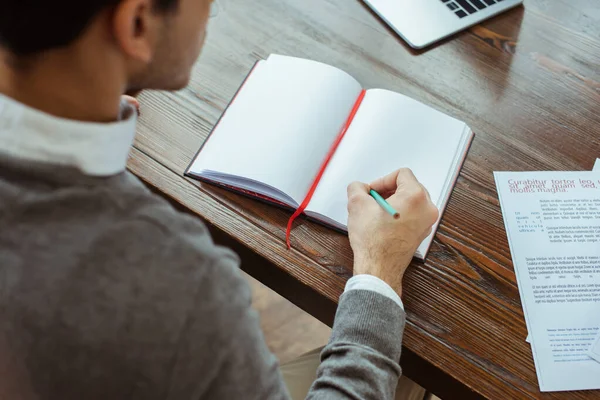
{"x": 462, "y": 8}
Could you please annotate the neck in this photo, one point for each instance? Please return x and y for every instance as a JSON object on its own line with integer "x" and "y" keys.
{"x": 65, "y": 83}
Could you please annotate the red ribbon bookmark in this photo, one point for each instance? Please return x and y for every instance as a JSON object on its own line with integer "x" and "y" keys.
{"x": 328, "y": 158}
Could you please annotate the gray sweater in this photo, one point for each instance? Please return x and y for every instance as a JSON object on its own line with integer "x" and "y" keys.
{"x": 107, "y": 292}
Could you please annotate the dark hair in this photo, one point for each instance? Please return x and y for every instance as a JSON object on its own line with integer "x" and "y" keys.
{"x": 28, "y": 27}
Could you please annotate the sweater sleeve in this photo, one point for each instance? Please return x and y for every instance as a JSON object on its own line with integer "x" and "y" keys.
{"x": 223, "y": 340}
{"x": 361, "y": 360}
{"x": 222, "y": 353}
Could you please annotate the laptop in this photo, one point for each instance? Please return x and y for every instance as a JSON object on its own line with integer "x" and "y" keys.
{"x": 423, "y": 22}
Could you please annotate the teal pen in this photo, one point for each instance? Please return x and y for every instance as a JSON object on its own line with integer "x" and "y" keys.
{"x": 384, "y": 204}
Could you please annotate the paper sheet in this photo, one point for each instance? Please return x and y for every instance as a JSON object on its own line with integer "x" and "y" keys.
{"x": 552, "y": 221}
{"x": 595, "y": 351}
{"x": 528, "y": 338}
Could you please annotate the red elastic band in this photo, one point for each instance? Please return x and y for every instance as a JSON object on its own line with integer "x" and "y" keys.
{"x": 328, "y": 158}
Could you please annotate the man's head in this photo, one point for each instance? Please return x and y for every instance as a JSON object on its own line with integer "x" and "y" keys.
{"x": 145, "y": 43}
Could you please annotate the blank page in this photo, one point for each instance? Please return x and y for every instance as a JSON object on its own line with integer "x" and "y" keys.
{"x": 390, "y": 131}
{"x": 279, "y": 128}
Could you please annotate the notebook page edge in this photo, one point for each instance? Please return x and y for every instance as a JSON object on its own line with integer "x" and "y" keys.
{"x": 461, "y": 157}
{"x": 249, "y": 185}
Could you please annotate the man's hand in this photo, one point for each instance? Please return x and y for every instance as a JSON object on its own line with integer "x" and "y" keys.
{"x": 133, "y": 101}
{"x": 384, "y": 246}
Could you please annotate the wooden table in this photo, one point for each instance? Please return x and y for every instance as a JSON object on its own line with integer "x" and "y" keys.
{"x": 527, "y": 82}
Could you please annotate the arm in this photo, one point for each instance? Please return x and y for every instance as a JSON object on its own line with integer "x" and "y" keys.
{"x": 361, "y": 360}
{"x": 222, "y": 352}
{"x": 223, "y": 336}
{"x": 362, "y": 357}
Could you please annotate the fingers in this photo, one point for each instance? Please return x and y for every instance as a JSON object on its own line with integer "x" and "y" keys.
{"x": 405, "y": 179}
{"x": 401, "y": 188}
{"x": 385, "y": 185}
{"x": 357, "y": 188}
{"x": 411, "y": 196}
{"x": 358, "y": 193}
{"x": 131, "y": 100}
{"x": 397, "y": 180}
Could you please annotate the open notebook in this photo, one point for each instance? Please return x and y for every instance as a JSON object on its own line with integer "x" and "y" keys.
{"x": 273, "y": 138}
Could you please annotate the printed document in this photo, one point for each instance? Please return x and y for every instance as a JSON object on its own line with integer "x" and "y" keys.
{"x": 595, "y": 351}
{"x": 552, "y": 221}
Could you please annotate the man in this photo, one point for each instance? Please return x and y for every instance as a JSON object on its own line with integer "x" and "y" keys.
{"x": 106, "y": 291}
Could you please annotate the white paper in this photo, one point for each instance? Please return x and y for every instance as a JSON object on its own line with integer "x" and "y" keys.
{"x": 392, "y": 131}
{"x": 552, "y": 221}
{"x": 595, "y": 350}
{"x": 596, "y": 168}
{"x": 281, "y": 125}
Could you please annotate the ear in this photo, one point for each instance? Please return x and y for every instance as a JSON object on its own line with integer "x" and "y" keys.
{"x": 135, "y": 28}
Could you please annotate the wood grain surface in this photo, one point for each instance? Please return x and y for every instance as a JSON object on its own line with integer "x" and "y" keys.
{"x": 527, "y": 82}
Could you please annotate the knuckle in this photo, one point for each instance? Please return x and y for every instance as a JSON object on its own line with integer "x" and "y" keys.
{"x": 433, "y": 213}
{"x": 354, "y": 200}
{"x": 428, "y": 231}
{"x": 417, "y": 196}
{"x": 351, "y": 187}
{"x": 407, "y": 173}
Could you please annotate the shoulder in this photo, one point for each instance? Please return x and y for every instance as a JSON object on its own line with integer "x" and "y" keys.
{"x": 152, "y": 242}
{"x": 153, "y": 268}
{"x": 150, "y": 290}
{"x": 143, "y": 223}
{"x": 128, "y": 294}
